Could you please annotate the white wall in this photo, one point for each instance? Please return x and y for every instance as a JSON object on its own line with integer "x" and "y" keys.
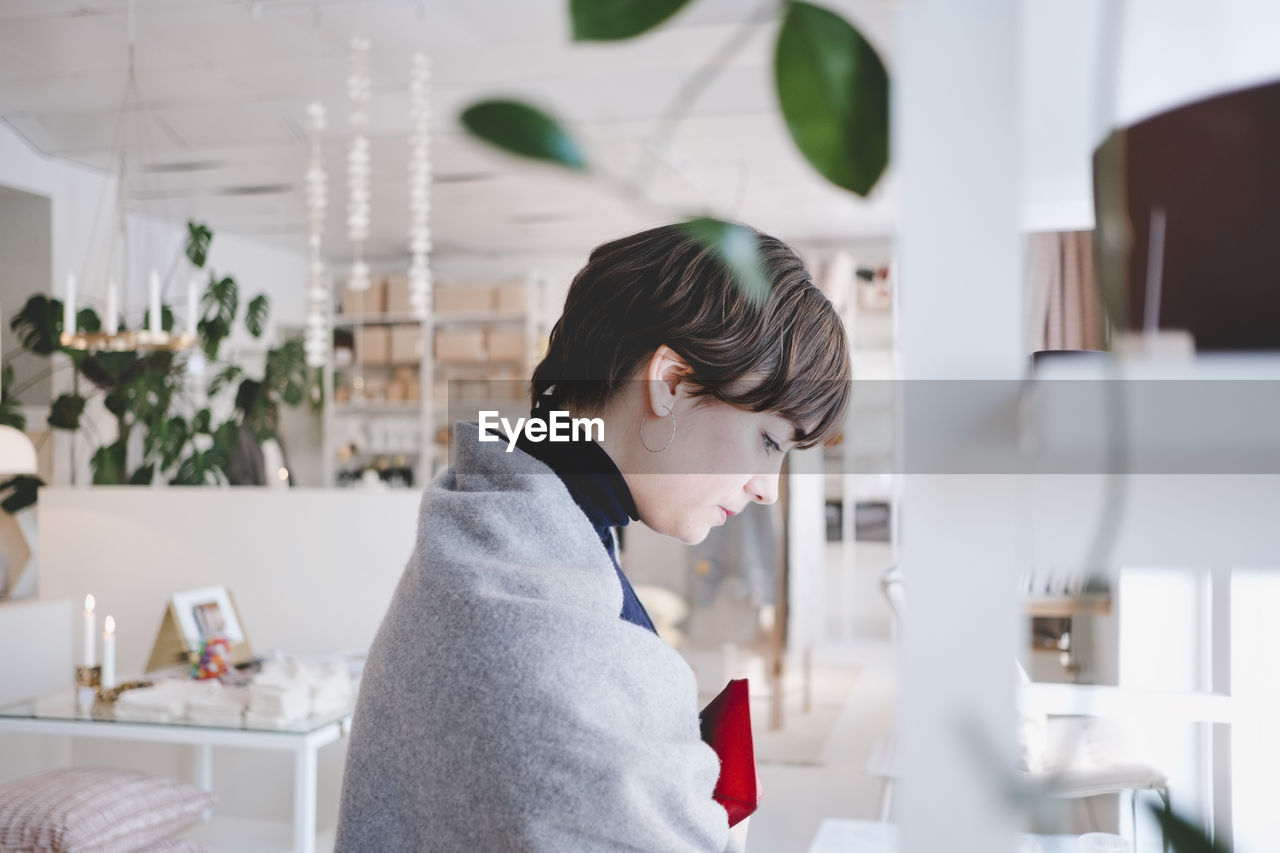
{"x": 25, "y": 256}
{"x": 35, "y": 658}
{"x": 311, "y": 571}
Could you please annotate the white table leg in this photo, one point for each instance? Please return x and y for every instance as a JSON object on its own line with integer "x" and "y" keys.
{"x": 204, "y": 773}
{"x": 304, "y": 799}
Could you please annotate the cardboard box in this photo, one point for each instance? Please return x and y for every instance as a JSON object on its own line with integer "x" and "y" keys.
{"x": 464, "y": 346}
{"x": 511, "y": 298}
{"x": 372, "y": 301}
{"x": 507, "y": 345}
{"x": 397, "y": 300}
{"x": 406, "y": 344}
{"x": 373, "y": 344}
{"x": 464, "y": 299}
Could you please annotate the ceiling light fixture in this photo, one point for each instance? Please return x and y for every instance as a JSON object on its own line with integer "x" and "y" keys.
{"x": 110, "y": 337}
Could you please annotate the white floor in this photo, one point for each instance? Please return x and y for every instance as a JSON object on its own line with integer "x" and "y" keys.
{"x": 796, "y": 798}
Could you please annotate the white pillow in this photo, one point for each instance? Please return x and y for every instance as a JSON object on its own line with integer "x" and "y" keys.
{"x": 96, "y": 808}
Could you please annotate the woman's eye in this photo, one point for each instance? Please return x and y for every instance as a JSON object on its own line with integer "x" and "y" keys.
{"x": 769, "y": 444}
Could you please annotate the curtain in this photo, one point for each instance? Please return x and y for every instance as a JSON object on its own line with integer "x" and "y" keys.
{"x": 1064, "y": 305}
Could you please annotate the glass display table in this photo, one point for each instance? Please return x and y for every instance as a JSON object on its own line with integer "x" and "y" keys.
{"x": 59, "y": 714}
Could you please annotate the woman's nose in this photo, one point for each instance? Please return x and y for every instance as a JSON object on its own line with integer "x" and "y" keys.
{"x": 763, "y": 488}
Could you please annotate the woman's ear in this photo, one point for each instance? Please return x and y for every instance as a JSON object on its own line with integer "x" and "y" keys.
{"x": 667, "y": 376}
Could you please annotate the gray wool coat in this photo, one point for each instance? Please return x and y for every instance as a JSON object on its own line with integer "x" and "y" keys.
{"x": 505, "y": 706}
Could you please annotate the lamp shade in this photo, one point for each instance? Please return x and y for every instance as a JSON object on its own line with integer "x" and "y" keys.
{"x": 17, "y": 453}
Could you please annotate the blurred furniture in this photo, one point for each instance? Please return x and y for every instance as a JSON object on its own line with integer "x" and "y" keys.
{"x": 57, "y": 714}
{"x": 1071, "y": 756}
{"x": 1194, "y": 192}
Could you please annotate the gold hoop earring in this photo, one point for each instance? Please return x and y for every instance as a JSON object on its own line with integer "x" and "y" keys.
{"x": 669, "y": 440}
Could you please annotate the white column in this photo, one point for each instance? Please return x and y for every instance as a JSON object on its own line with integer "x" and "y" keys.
{"x": 304, "y": 799}
{"x": 204, "y": 773}
{"x": 955, "y": 153}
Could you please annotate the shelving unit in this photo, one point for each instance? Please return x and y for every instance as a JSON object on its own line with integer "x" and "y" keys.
{"x": 387, "y": 403}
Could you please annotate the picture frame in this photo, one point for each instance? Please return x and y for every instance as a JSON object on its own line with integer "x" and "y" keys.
{"x": 206, "y": 611}
{"x": 191, "y": 616}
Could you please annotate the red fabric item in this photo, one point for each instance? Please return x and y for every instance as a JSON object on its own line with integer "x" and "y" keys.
{"x": 726, "y": 728}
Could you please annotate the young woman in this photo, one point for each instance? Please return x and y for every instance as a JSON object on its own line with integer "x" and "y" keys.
{"x": 516, "y": 697}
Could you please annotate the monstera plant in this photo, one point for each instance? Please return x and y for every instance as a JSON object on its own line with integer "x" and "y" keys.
{"x": 147, "y": 393}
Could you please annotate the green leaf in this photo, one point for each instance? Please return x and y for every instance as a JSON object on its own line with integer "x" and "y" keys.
{"x": 224, "y": 378}
{"x": 87, "y": 320}
{"x": 173, "y": 438}
{"x": 198, "y": 238}
{"x": 834, "y": 94}
{"x": 143, "y": 476}
{"x": 1186, "y": 837}
{"x": 108, "y": 465}
{"x": 66, "y": 412}
{"x": 191, "y": 471}
{"x": 109, "y": 370}
{"x": 612, "y": 20}
{"x": 255, "y": 316}
{"x": 213, "y": 333}
{"x": 737, "y": 249}
{"x": 225, "y": 438}
{"x": 222, "y": 297}
{"x": 9, "y": 412}
{"x": 39, "y": 324}
{"x": 25, "y": 491}
{"x": 117, "y": 403}
{"x": 166, "y": 318}
{"x": 202, "y": 422}
{"x": 521, "y": 129}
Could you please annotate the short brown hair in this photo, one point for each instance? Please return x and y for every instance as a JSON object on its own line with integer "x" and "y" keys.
{"x": 665, "y": 286}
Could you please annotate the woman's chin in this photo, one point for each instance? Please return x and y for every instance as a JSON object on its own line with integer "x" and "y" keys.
{"x": 694, "y": 536}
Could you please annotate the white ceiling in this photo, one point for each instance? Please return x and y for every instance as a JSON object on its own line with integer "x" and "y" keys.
{"x": 226, "y": 90}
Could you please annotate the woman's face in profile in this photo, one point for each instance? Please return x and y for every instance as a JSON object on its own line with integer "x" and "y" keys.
{"x": 720, "y": 459}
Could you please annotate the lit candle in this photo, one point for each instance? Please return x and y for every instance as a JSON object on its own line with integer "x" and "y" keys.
{"x": 113, "y": 307}
{"x": 154, "y": 326}
{"x": 69, "y": 306}
{"x": 191, "y": 305}
{"x": 90, "y": 632}
{"x": 109, "y": 654}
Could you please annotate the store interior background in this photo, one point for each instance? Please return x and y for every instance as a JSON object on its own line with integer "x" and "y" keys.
{"x": 227, "y": 86}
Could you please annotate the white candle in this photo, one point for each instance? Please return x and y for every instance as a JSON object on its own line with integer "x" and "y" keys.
{"x": 192, "y": 289}
{"x": 90, "y": 632}
{"x": 69, "y": 306}
{"x": 154, "y": 325}
{"x": 109, "y": 654}
{"x": 113, "y": 307}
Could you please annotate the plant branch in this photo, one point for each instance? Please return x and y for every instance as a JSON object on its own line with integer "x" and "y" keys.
{"x": 692, "y": 89}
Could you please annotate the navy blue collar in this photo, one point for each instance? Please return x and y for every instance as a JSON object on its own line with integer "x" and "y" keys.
{"x": 590, "y": 475}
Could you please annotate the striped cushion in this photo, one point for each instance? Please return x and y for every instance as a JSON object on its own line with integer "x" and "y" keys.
{"x": 95, "y": 809}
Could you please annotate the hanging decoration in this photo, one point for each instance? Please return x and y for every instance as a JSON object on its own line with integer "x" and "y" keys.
{"x": 316, "y": 344}
{"x": 419, "y": 185}
{"x": 132, "y": 115}
{"x": 359, "y": 89}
